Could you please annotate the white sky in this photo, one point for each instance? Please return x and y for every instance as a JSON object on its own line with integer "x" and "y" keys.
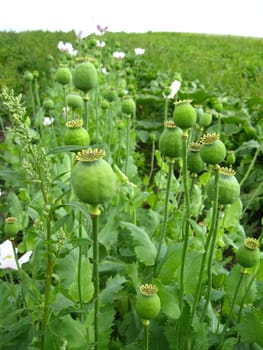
{"x": 234, "y": 17}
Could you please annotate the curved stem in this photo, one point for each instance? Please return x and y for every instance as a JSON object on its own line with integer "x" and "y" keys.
{"x": 251, "y": 165}
{"x": 245, "y": 295}
{"x": 95, "y": 213}
{"x": 207, "y": 244}
{"x": 166, "y": 100}
{"x": 165, "y": 216}
{"x": 212, "y": 236}
{"x": 97, "y": 114}
{"x": 80, "y": 261}
{"x": 47, "y": 285}
{"x": 209, "y": 265}
{"x": 146, "y": 325}
{"x": 32, "y": 99}
{"x": 186, "y": 224}
{"x": 128, "y": 142}
{"x": 152, "y": 161}
{"x": 86, "y": 103}
{"x": 253, "y": 196}
{"x": 222, "y": 337}
{"x": 65, "y": 102}
{"x": 36, "y": 89}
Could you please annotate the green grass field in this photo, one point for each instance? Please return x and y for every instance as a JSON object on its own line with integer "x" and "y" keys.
{"x": 231, "y": 64}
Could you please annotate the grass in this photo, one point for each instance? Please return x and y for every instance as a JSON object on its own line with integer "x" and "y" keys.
{"x": 230, "y": 64}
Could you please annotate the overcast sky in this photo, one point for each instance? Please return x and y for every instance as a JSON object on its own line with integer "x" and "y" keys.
{"x": 234, "y": 17}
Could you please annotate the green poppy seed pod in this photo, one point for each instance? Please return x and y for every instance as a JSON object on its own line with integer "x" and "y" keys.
{"x": 170, "y": 140}
{"x": 249, "y": 254}
{"x": 229, "y": 187}
{"x": 218, "y": 107}
{"x": 184, "y": 114}
{"x": 75, "y": 134}
{"x": 11, "y": 226}
{"x": 128, "y": 105}
{"x": 231, "y": 158}
{"x": 121, "y": 92}
{"x": 195, "y": 163}
{"x": 28, "y": 76}
{"x": 105, "y": 105}
{"x": 48, "y": 104}
{"x": 85, "y": 76}
{"x": 120, "y": 124}
{"x": 110, "y": 94}
{"x": 93, "y": 179}
{"x": 213, "y": 150}
{"x": 63, "y": 75}
{"x": 148, "y": 304}
{"x": 205, "y": 119}
{"x": 74, "y": 101}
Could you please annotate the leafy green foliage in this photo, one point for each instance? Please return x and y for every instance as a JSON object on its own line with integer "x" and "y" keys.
{"x": 79, "y": 288}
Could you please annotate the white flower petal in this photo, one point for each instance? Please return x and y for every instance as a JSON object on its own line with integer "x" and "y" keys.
{"x": 175, "y": 86}
{"x": 48, "y": 121}
{"x": 7, "y": 258}
{"x": 25, "y": 258}
{"x": 138, "y": 51}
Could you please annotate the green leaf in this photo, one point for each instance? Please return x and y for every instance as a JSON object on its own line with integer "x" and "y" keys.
{"x": 87, "y": 288}
{"x": 251, "y": 327}
{"x": 107, "y": 313}
{"x": 171, "y": 263}
{"x": 192, "y": 268}
{"x": 113, "y": 286}
{"x": 15, "y": 207}
{"x": 231, "y": 282}
{"x": 73, "y": 331}
{"x": 169, "y": 300}
{"x": 144, "y": 248}
{"x": 233, "y": 213}
{"x": 19, "y": 335}
{"x": 108, "y": 235}
{"x": 67, "y": 269}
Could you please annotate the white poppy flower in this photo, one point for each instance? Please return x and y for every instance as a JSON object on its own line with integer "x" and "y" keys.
{"x": 48, "y": 121}
{"x": 118, "y": 55}
{"x": 175, "y": 86}
{"x": 100, "y": 44}
{"x": 7, "y": 256}
{"x": 138, "y": 51}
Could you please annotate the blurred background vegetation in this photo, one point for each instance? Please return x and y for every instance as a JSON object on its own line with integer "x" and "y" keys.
{"x": 229, "y": 64}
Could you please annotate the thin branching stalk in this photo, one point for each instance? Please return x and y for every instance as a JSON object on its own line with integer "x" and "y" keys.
{"x": 97, "y": 113}
{"x": 33, "y": 103}
{"x": 170, "y": 162}
{"x": 86, "y": 108}
{"x": 146, "y": 324}
{"x": 242, "y": 302}
{"x": 152, "y": 160}
{"x": 65, "y": 102}
{"x": 186, "y": 223}
{"x": 48, "y": 283}
{"x": 166, "y": 101}
{"x": 253, "y": 196}
{"x": 209, "y": 264}
{"x": 206, "y": 248}
{"x": 128, "y": 137}
{"x": 229, "y": 318}
{"x": 251, "y": 165}
{"x": 80, "y": 262}
{"x": 95, "y": 213}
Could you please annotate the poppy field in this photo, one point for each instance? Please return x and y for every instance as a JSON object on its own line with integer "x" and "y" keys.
{"x": 131, "y": 207}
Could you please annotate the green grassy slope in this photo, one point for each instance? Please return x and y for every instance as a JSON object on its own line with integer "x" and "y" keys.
{"x": 229, "y": 63}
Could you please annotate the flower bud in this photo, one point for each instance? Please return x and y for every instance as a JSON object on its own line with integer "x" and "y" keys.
{"x": 11, "y": 226}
